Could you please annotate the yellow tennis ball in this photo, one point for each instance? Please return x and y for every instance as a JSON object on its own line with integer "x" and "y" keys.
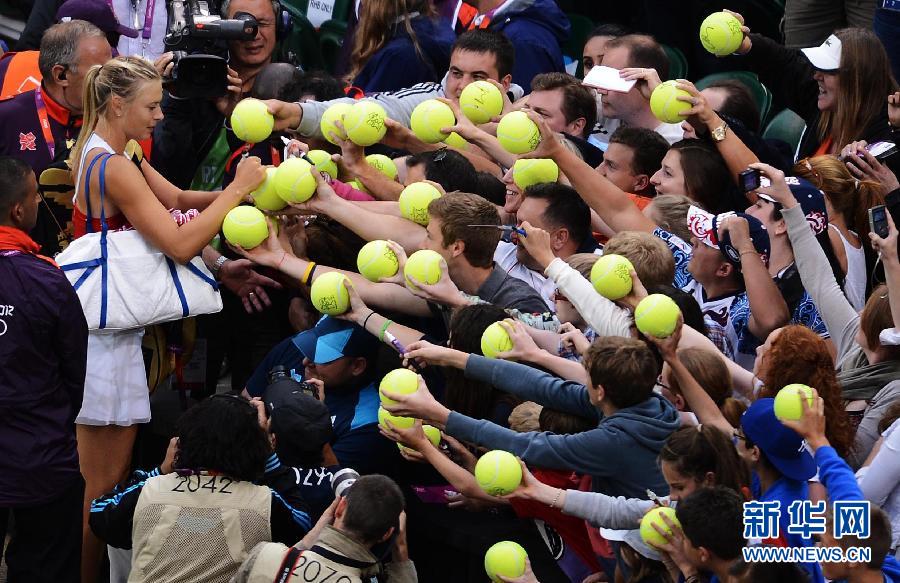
{"x": 481, "y": 101}
{"x": 334, "y": 113}
{"x": 498, "y": 472}
{"x": 720, "y": 33}
{"x": 414, "y": 201}
{"x": 494, "y": 340}
{"x": 245, "y": 226}
{"x": 358, "y": 185}
{"x": 364, "y": 123}
{"x": 376, "y": 260}
{"x": 397, "y": 421}
{"x": 400, "y": 381}
{"x": 505, "y": 559}
{"x": 329, "y": 293}
{"x": 423, "y": 265}
{"x": 611, "y": 276}
{"x": 657, "y": 315}
{"x": 517, "y": 133}
{"x": 293, "y": 180}
{"x": 383, "y": 164}
{"x": 530, "y": 171}
{"x": 265, "y": 197}
{"x": 323, "y": 162}
{"x": 788, "y": 403}
{"x": 429, "y": 118}
{"x": 454, "y": 140}
{"x": 654, "y": 516}
{"x": 251, "y": 121}
{"x": 432, "y": 433}
{"x": 665, "y": 105}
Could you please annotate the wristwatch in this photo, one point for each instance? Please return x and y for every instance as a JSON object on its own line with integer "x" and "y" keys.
{"x": 217, "y": 265}
{"x": 718, "y": 134}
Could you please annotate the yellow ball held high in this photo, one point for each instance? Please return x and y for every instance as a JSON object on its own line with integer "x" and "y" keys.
{"x": 383, "y": 164}
{"x": 414, "y": 201}
{"x": 611, "y": 276}
{"x": 654, "y": 516}
{"x": 498, "y": 472}
{"x": 329, "y": 293}
{"x": 397, "y": 421}
{"x": 720, "y": 34}
{"x": 481, "y": 101}
{"x": 530, "y": 171}
{"x": 788, "y": 402}
{"x": 323, "y": 162}
{"x": 495, "y": 340}
{"x": 429, "y": 118}
{"x": 505, "y": 559}
{"x": 666, "y": 106}
{"x": 294, "y": 182}
{"x": 251, "y": 121}
{"x": 517, "y": 133}
{"x": 424, "y": 266}
{"x": 334, "y": 113}
{"x": 400, "y": 381}
{"x": 376, "y": 260}
{"x": 364, "y": 123}
{"x": 245, "y": 226}
{"x": 657, "y": 315}
{"x": 265, "y": 197}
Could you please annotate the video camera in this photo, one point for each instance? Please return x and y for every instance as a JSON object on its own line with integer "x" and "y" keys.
{"x": 197, "y": 35}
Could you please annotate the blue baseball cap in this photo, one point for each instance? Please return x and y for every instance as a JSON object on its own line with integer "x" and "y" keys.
{"x": 811, "y": 199}
{"x": 705, "y": 226}
{"x": 783, "y": 446}
{"x": 332, "y": 338}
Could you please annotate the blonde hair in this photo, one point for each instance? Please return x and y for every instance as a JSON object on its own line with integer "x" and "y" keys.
{"x": 583, "y": 263}
{"x": 120, "y": 76}
{"x": 653, "y": 261}
{"x": 670, "y": 212}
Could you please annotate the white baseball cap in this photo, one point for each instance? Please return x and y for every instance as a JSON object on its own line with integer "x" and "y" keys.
{"x": 827, "y": 56}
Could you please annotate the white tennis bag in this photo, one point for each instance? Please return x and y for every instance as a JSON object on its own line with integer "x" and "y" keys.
{"x": 124, "y": 282}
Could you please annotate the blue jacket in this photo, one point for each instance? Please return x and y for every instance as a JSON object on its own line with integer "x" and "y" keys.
{"x": 398, "y": 64}
{"x": 537, "y": 30}
{"x": 620, "y": 454}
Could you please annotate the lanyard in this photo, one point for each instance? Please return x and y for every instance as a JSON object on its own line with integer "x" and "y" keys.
{"x": 148, "y": 19}
{"x": 44, "y": 122}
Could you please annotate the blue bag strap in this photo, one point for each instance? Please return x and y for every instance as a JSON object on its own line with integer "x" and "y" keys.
{"x": 196, "y": 271}
{"x": 104, "y": 267}
{"x": 185, "y": 310}
{"x": 87, "y": 191}
{"x": 84, "y": 275}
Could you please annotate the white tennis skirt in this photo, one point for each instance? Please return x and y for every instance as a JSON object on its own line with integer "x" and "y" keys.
{"x": 115, "y": 387}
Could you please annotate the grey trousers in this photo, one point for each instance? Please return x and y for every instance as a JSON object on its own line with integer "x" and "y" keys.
{"x": 807, "y": 23}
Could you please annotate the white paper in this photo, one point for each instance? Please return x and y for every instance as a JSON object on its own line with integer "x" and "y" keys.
{"x": 608, "y": 78}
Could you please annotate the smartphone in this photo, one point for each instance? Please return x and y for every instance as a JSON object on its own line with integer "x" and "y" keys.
{"x": 878, "y": 222}
{"x": 881, "y": 150}
{"x": 750, "y": 179}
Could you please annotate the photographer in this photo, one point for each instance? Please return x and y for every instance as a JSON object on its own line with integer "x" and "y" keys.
{"x": 192, "y": 126}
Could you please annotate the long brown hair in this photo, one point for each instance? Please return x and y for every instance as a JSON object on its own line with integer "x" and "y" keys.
{"x": 864, "y": 82}
{"x": 378, "y": 20}
{"x": 695, "y": 451}
{"x": 706, "y": 176}
{"x": 799, "y": 355}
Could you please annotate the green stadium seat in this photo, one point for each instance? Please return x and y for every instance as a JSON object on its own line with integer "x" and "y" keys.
{"x": 761, "y": 95}
{"x": 331, "y": 38}
{"x": 788, "y": 127}
{"x": 678, "y": 65}
{"x": 581, "y": 27}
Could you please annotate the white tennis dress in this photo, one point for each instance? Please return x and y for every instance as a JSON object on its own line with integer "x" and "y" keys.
{"x": 115, "y": 387}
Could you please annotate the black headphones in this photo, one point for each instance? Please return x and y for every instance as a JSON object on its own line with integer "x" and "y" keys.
{"x": 283, "y": 21}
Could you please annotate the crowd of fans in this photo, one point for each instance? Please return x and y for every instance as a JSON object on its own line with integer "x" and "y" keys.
{"x": 291, "y": 472}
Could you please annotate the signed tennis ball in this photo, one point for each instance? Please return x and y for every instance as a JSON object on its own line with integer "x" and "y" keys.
{"x": 414, "y": 201}
{"x": 506, "y": 559}
{"x": 364, "y": 123}
{"x": 383, "y": 164}
{"x": 265, "y": 197}
{"x": 649, "y": 534}
{"x": 657, "y": 315}
{"x": 429, "y": 118}
{"x": 720, "y": 34}
{"x": 329, "y": 293}
{"x": 611, "y": 276}
{"x": 245, "y": 226}
{"x": 788, "y": 402}
{"x": 323, "y": 162}
{"x": 530, "y": 171}
{"x": 481, "y": 101}
{"x": 665, "y": 105}
{"x": 251, "y": 121}
{"x": 517, "y": 133}
{"x": 376, "y": 260}
{"x": 293, "y": 180}
{"x": 424, "y": 266}
{"x": 396, "y": 420}
{"x": 401, "y": 381}
{"x": 494, "y": 340}
{"x": 498, "y": 472}
{"x": 334, "y": 113}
